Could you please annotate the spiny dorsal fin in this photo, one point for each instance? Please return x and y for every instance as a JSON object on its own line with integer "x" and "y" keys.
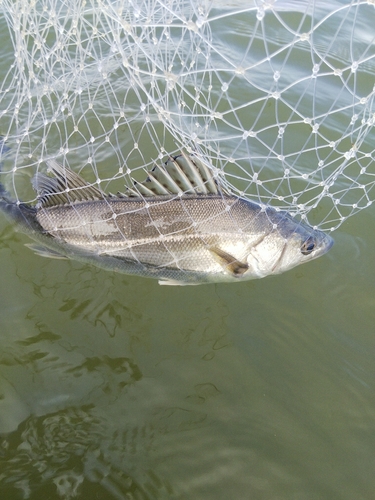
{"x": 65, "y": 188}
{"x": 181, "y": 174}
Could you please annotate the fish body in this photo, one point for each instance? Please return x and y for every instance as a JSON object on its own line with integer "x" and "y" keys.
{"x": 179, "y": 226}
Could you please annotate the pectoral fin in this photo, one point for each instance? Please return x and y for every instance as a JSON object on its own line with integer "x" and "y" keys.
{"x": 228, "y": 262}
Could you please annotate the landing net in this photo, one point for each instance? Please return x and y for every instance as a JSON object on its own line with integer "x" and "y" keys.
{"x": 278, "y": 96}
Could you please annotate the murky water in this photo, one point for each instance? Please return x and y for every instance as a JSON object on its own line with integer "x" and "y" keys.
{"x": 112, "y": 384}
{"x": 113, "y": 387}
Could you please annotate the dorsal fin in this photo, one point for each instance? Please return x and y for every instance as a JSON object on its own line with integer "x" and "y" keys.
{"x": 65, "y": 188}
{"x": 181, "y": 174}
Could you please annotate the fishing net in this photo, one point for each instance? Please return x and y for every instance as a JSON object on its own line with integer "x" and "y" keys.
{"x": 276, "y": 96}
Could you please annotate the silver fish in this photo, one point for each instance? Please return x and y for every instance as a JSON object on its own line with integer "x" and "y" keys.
{"x": 179, "y": 226}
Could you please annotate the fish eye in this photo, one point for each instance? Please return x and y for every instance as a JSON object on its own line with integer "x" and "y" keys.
{"x": 308, "y": 246}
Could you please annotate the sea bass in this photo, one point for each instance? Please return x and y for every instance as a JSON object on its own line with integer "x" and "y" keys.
{"x": 180, "y": 226}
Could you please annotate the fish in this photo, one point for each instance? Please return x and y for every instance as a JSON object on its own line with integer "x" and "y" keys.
{"x": 180, "y": 226}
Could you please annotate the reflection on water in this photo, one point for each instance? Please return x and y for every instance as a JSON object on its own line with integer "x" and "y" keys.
{"x": 75, "y": 451}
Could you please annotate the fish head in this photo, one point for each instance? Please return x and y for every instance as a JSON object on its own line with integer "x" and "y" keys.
{"x": 288, "y": 245}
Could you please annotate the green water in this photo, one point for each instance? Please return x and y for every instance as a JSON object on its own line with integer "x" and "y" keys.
{"x": 113, "y": 387}
{"x": 261, "y": 390}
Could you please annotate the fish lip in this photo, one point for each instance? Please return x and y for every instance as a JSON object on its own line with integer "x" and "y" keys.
{"x": 326, "y": 242}
{"x": 331, "y": 241}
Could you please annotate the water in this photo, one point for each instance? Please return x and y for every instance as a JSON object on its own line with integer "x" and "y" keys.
{"x": 113, "y": 387}
{"x": 112, "y": 384}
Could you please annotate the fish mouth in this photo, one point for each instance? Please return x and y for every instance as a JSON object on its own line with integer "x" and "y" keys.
{"x": 325, "y": 243}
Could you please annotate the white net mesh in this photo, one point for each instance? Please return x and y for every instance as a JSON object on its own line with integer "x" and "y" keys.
{"x": 277, "y": 95}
